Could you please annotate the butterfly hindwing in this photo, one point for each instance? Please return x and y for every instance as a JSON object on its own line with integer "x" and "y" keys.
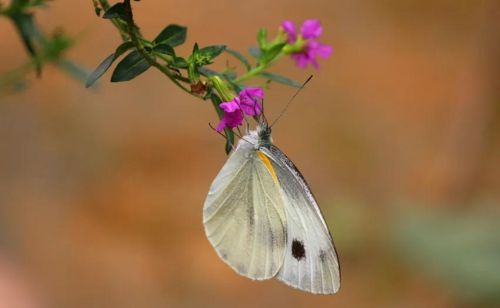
{"x": 244, "y": 215}
{"x": 310, "y": 262}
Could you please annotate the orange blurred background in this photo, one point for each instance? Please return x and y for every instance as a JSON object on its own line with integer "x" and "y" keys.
{"x": 101, "y": 189}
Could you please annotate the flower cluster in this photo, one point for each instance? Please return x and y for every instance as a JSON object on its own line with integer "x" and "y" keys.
{"x": 248, "y": 102}
{"x": 302, "y": 46}
{"x": 307, "y": 46}
{"x": 233, "y": 101}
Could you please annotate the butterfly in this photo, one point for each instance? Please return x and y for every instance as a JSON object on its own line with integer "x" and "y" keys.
{"x": 264, "y": 222}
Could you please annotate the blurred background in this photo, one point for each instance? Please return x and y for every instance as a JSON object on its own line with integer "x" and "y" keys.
{"x": 101, "y": 189}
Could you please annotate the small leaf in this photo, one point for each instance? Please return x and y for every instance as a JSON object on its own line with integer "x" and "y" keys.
{"x": 195, "y": 48}
{"x": 255, "y": 52}
{"x": 164, "y": 49}
{"x": 229, "y": 76}
{"x": 262, "y": 38}
{"x": 26, "y": 27}
{"x": 173, "y": 35}
{"x": 211, "y": 52}
{"x": 208, "y": 72}
{"x": 119, "y": 10}
{"x": 272, "y": 53}
{"x": 281, "y": 79}
{"x": 106, "y": 64}
{"x": 100, "y": 70}
{"x": 240, "y": 57}
{"x": 97, "y": 8}
{"x": 122, "y": 48}
{"x": 130, "y": 67}
{"x": 180, "y": 62}
{"x": 204, "y": 56}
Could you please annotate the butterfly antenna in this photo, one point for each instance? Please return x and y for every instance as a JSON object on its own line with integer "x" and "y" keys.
{"x": 291, "y": 100}
{"x": 213, "y": 128}
{"x": 264, "y": 119}
{"x": 225, "y": 137}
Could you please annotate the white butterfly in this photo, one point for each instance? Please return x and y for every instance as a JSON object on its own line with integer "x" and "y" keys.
{"x": 263, "y": 221}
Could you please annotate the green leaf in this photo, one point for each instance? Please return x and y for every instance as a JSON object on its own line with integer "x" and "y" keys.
{"x": 229, "y": 76}
{"x": 164, "y": 49}
{"x": 281, "y": 79}
{"x": 173, "y": 35}
{"x": 130, "y": 67}
{"x": 262, "y": 38}
{"x": 210, "y": 52}
{"x": 204, "y": 56}
{"x": 106, "y": 64}
{"x": 195, "y": 48}
{"x": 25, "y": 25}
{"x": 122, "y": 48}
{"x": 100, "y": 70}
{"x": 255, "y": 52}
{"x": 54, "y": 47}
{"x": 240, "y": 57}
{"x": 272, "y": 53}
{"x": 208, "y": 72}
{"x": 119, "y": 10}
{"x": 180, "y": 62}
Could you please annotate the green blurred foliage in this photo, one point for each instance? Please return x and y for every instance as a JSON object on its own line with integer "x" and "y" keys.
{"x": 461, "y": 249}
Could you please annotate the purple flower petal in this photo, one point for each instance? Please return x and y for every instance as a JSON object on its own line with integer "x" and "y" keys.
{"x": 250, "y": 107}
{"x": 231, "y": 106}
{"x": 311, "y": 51}
{"x": 251, "y": 100}
{"x": 252, "y": 92}
{"x": 222, "y": 124}
{"x": 311, "y": 29}
{"x": 318, "y": 49}
{"x": 301, "y": 59}
{"x": 233, "y": 115}
{"x": 230, "y": 120}
{"x": 234, "y": 119}
{"x": 289, "y": 28}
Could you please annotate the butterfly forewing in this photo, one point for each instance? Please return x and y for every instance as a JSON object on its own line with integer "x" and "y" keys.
{"x": 244, "y": 215}
{"x": 310, "y": 262}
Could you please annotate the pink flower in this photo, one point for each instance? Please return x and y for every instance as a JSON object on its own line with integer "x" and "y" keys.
{"x": 311, "y": 51}
{"x": 289, "y": 28}
{"x": 233, "y": 115}
{"x": 311, "y": 29}
{"x": 248, "y": 102}
{"x": 251, "y": 101}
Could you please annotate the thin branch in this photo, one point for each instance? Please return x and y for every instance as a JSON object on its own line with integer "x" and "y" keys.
{"x": 132, "y": 32}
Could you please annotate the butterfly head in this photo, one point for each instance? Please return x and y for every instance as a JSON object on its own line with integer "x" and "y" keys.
{"x": 264, "y": 135}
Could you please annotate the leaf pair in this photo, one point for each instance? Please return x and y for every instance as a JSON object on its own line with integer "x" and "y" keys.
{"x": 135, "y": 63}
{"x": 201, "y": 57}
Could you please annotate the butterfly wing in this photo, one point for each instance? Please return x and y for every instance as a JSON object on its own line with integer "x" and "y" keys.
{"x": 244, "y": 215}
{"x": 311, "y": 262}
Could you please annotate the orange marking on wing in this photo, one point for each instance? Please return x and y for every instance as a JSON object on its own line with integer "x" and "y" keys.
{"x": 268, "y": 165}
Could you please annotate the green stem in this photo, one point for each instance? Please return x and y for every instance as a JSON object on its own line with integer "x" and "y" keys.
{"x": 251, "y": 73}
{"x": 119, "y": 24}
{"x": 257, "y": 70}
{"x": 132, "y": 32}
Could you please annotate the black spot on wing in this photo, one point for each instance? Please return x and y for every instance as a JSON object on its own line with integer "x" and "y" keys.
{"x": 298, "y": 250}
